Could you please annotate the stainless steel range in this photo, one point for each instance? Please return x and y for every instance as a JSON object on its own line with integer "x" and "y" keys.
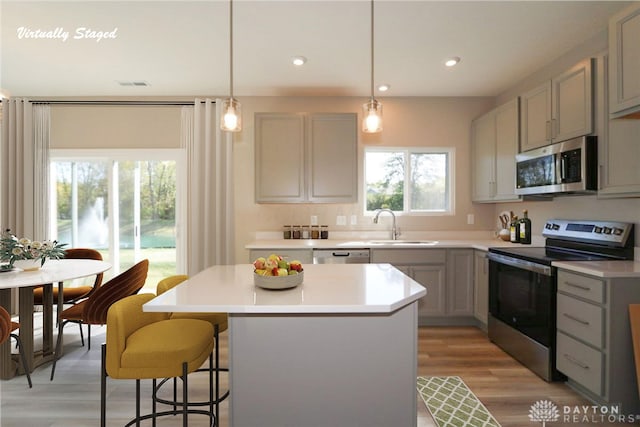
{"x": 522, "y": 286}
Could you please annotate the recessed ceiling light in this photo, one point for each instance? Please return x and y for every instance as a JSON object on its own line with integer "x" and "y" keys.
{"x": 450, "y": 62}
{"x": 298, "y": 60}
{"x": 133, "y": 83}
{"x": 384, "y": 87}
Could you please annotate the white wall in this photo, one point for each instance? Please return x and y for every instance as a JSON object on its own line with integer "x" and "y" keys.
{"x": 574, "y": 207}
{"x": 407, "y": 122}
{"x": 115, "y": 126}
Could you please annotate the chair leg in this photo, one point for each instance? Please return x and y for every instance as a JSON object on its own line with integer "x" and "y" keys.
{"x": 103, "y": 387}
{"x": 56, "y": 354}
{"x": 23, "y": 359}
{"x": 211, "y": 387}
{"x": 185, "y": 401}
{"x": 81, "y": 333}
{"x": 137, "y": 403}
{"x": 89, "y": 335}
{"x": 153, "y": 402}
{"x": 216, "y": 330}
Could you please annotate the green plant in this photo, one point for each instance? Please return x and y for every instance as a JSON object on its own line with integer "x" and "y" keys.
{"x": 13, "y": 249}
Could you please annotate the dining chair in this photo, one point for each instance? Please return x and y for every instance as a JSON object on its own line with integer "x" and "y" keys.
{"x": 6, "y": 329}
{"x": 219, "y": 321}
{"x": 634, "y": 318}
{"x": 149, "y": 345}
{"x": 72, "y": 294}
{"x": 93, "y": 310}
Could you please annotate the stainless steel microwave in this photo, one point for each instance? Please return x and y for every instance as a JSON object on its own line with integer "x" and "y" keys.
{"x": 565, "y": 167}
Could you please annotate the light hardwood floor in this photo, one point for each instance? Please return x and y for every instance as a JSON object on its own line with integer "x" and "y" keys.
{"x": 72, "y": 400}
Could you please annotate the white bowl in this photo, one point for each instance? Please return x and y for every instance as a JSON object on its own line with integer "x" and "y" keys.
{"x": 278, "y": 282}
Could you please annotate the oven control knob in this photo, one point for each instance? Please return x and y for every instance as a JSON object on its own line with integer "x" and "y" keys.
{"x": 547, "y": 226}
{"x": 597, "y": 229}
{"x": 606, "y": 230}
{"x": 617, "y": 231}
{"x": 556, "y": 227}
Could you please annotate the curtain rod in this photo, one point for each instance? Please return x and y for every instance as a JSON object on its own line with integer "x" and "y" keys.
{"x": 70, "y": 102}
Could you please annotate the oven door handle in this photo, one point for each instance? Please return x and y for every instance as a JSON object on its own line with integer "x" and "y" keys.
{"x": 520, "y": 263}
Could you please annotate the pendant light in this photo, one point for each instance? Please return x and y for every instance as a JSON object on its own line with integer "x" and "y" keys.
{"x": 372, "y": 110}
{"x": 231, "y": 111}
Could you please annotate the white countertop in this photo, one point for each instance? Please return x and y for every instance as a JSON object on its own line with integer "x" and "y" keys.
{"x": 344, "y": 288}
{"x": 604, "y": 269}
{"x": 481, "y": 244}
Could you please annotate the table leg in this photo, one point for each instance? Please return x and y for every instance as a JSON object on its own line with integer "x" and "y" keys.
{"x": 25, "y": 313}
{"x": 47, "y": 320}
{"x": 7, "y": 365}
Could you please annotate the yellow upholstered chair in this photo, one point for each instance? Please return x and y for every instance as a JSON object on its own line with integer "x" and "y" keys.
{"x": 147, "y": 345}
{"x": 6, "y": 329}
{"x": 219, "y": 321}
{"x": 93, "y": 310}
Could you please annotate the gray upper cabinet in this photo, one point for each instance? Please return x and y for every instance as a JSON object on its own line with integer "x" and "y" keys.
{"x": 333, "y": 156}
{"x": 618, "y": 148}
{"x": 558, "y": 110}
{"x": 493, "y": 150}
{"x": 306, "y": 158}
{"x": 279, "y": 157}
{"x": 624, "y": 63}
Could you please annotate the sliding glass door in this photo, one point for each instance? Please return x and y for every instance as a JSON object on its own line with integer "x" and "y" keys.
{"x": 124, "y": 206}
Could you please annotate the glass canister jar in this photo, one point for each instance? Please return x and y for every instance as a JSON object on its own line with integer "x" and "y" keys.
{"x": 324, "y": 231}
{"x": 286, "y": 231}
{"x": 305, "y": 232}
{"x": 297, "y": 232}
{"x": 315, "y": 232}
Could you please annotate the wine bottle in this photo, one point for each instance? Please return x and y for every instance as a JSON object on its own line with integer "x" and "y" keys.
{"x": 514, "y": 230}
{"x": 525, "y": 228}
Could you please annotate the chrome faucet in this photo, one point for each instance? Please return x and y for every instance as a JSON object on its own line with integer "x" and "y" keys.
{"x": 395, "y": 233}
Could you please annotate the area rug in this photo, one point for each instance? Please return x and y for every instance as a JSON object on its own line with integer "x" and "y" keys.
{"x": 452, "y": 404}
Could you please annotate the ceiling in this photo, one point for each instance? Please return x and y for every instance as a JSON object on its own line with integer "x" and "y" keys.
{"x": 181, "y": 48}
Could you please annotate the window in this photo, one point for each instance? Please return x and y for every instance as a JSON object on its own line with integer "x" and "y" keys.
{"x": 409, "y": 180}
{"x": 125, "y": 206}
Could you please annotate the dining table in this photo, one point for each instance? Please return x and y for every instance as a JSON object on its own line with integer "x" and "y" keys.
{"x": 53, "y": 271}
{"x": 338, "y": 349}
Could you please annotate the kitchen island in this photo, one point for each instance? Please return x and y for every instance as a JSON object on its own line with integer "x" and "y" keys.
{"x": 338, "y": 350}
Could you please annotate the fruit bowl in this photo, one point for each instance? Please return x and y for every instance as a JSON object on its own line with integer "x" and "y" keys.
{"x": 278, "y": 282}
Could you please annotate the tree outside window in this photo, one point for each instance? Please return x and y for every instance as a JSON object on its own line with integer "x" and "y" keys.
{"x": 412, "y": 180}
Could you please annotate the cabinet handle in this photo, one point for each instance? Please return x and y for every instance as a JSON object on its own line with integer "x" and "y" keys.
{"x": 584, "y": 288}
{"x": 568, "y": 316}
{"x": 575, "y": 361}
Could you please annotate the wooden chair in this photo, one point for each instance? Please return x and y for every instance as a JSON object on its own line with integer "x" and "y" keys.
{"x": 6, "y": 329}
{"x": 93, "y": 310}
{"x": 71, "y": 295}
{"x": 219, "y": 321}
{"x": 148, "y": 345}
{"x": 634, "y": 318}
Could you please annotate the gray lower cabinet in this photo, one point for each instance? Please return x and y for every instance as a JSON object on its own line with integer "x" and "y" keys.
{"x": 481, "y": 287}
{"x": 446, "y": 273}
{"x": 305, "y": 256}
{"x": 594, "y": 346}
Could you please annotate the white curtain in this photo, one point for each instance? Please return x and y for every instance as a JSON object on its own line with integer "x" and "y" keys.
{"x": 24, "y": 168}
{"x": 210, "y": 227}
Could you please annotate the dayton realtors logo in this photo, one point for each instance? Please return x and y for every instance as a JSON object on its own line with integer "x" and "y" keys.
{"x": 59, "y": 33}
{"x": 545, "y": 411}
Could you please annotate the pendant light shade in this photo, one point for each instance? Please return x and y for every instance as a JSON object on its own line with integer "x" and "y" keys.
{"x": 372, "y": 110}
{"x": 231, "y": 111}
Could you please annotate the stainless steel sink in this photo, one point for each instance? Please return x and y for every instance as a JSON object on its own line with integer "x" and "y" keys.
{"x": 405, "y": 242}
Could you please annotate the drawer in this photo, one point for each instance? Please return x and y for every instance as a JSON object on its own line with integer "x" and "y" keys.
{"x": 580, "y": 362}
{"x": 305, "y": 256}
{"x": 582, "y": 286}
{"x": 409, "y": 256}
{"x": 581, "y": 319}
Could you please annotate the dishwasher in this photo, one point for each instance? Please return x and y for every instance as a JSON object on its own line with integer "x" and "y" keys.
{"x": 341, "y": 256}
